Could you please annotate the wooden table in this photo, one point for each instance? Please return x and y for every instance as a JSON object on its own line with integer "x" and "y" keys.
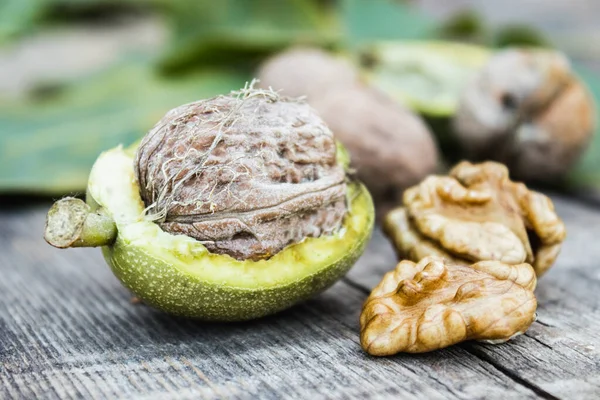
{"x": 68, "y": 329}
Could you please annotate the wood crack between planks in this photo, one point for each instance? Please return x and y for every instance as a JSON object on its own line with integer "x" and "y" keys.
{"x": 538, "y": 340}
{"x": 482, "y": 356}
{"x": 512, "y": 375}
{"x": 544, "y": 323}
{"x": 356, "y": 286}
{"x": 588, "y": 200}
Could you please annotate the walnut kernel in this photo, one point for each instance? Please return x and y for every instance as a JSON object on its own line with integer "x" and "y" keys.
{"x": 477, "y": 213}
{"x": 434, "y": 304}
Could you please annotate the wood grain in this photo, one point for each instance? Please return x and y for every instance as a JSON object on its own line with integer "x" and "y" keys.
{"x": 69, "y": 330}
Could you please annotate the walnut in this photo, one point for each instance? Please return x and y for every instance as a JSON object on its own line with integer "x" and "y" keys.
{"x": 475, "y": 214}
{"x": 527, "y": 109}
{"x": 246, "y": 174}
{"x": 391, "y": 147}
{"x": 307, "y": 71}
{"x": 434, "y": 304}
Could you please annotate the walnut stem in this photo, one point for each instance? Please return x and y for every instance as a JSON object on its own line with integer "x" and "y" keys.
{"x": 72, "y": 223}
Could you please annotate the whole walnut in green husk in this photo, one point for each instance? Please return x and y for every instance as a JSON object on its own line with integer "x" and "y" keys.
{"x": 230, "y": 208}
{"x": 476, "y": 214}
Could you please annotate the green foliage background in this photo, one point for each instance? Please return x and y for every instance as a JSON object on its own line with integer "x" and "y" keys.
{"x": 48, "y": 143}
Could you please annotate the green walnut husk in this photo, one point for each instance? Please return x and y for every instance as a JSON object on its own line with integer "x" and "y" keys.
{"x": 177, "y": 274}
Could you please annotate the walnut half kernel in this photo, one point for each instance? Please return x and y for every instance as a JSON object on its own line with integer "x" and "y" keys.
{"x": 434, "y": 304}
{"x": 476, "y": 214}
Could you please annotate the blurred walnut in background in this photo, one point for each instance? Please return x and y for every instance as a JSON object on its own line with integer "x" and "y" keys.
{"x": 526, "y": 109}
{"x": 476, "y": 213}
{"x": 435, "y": 303}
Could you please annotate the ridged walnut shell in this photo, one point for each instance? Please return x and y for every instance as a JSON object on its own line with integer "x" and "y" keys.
{"x": 476, "y": 214}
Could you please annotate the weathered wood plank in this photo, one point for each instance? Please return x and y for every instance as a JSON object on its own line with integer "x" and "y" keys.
{"x": 68, "y": 330}
{"x": 560, "y": 355}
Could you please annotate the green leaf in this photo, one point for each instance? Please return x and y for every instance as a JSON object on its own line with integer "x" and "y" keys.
{"x": 587, "y": 171}
{"x": 217, "y": 32}
{"x": 466, "y": 25}
{"x": 427, "y": 76}
{"x": 17, "y": 16}
{"x": 368, "y": 20}
{"x": 519, "y": 35}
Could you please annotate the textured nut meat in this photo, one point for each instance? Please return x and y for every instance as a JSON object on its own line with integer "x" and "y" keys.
{"x": 435, "y": 304}
{"x": 475, "y": 214}
{"x": 246, "y": 174}
{"x": 527, "y": 109}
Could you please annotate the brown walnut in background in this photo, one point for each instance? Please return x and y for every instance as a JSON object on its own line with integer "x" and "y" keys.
{"x": 390, "y": 146}
{"x": 475, "y": 214}
{"x": 528, "y": 110}
{"x": 435, "y": 303}
{"x": 245, "y": 174}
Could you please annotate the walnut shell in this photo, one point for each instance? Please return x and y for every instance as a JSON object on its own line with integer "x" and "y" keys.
{"x": 435, "y": 303}
{"x": 391, "y": 147}
{"x": 527, "y": 109}
{"x": 246, "y": 174}
{"x": 477, "y": 213}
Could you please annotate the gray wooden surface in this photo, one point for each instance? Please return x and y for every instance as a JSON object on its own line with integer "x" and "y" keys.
{"x": 69, "y": 330}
